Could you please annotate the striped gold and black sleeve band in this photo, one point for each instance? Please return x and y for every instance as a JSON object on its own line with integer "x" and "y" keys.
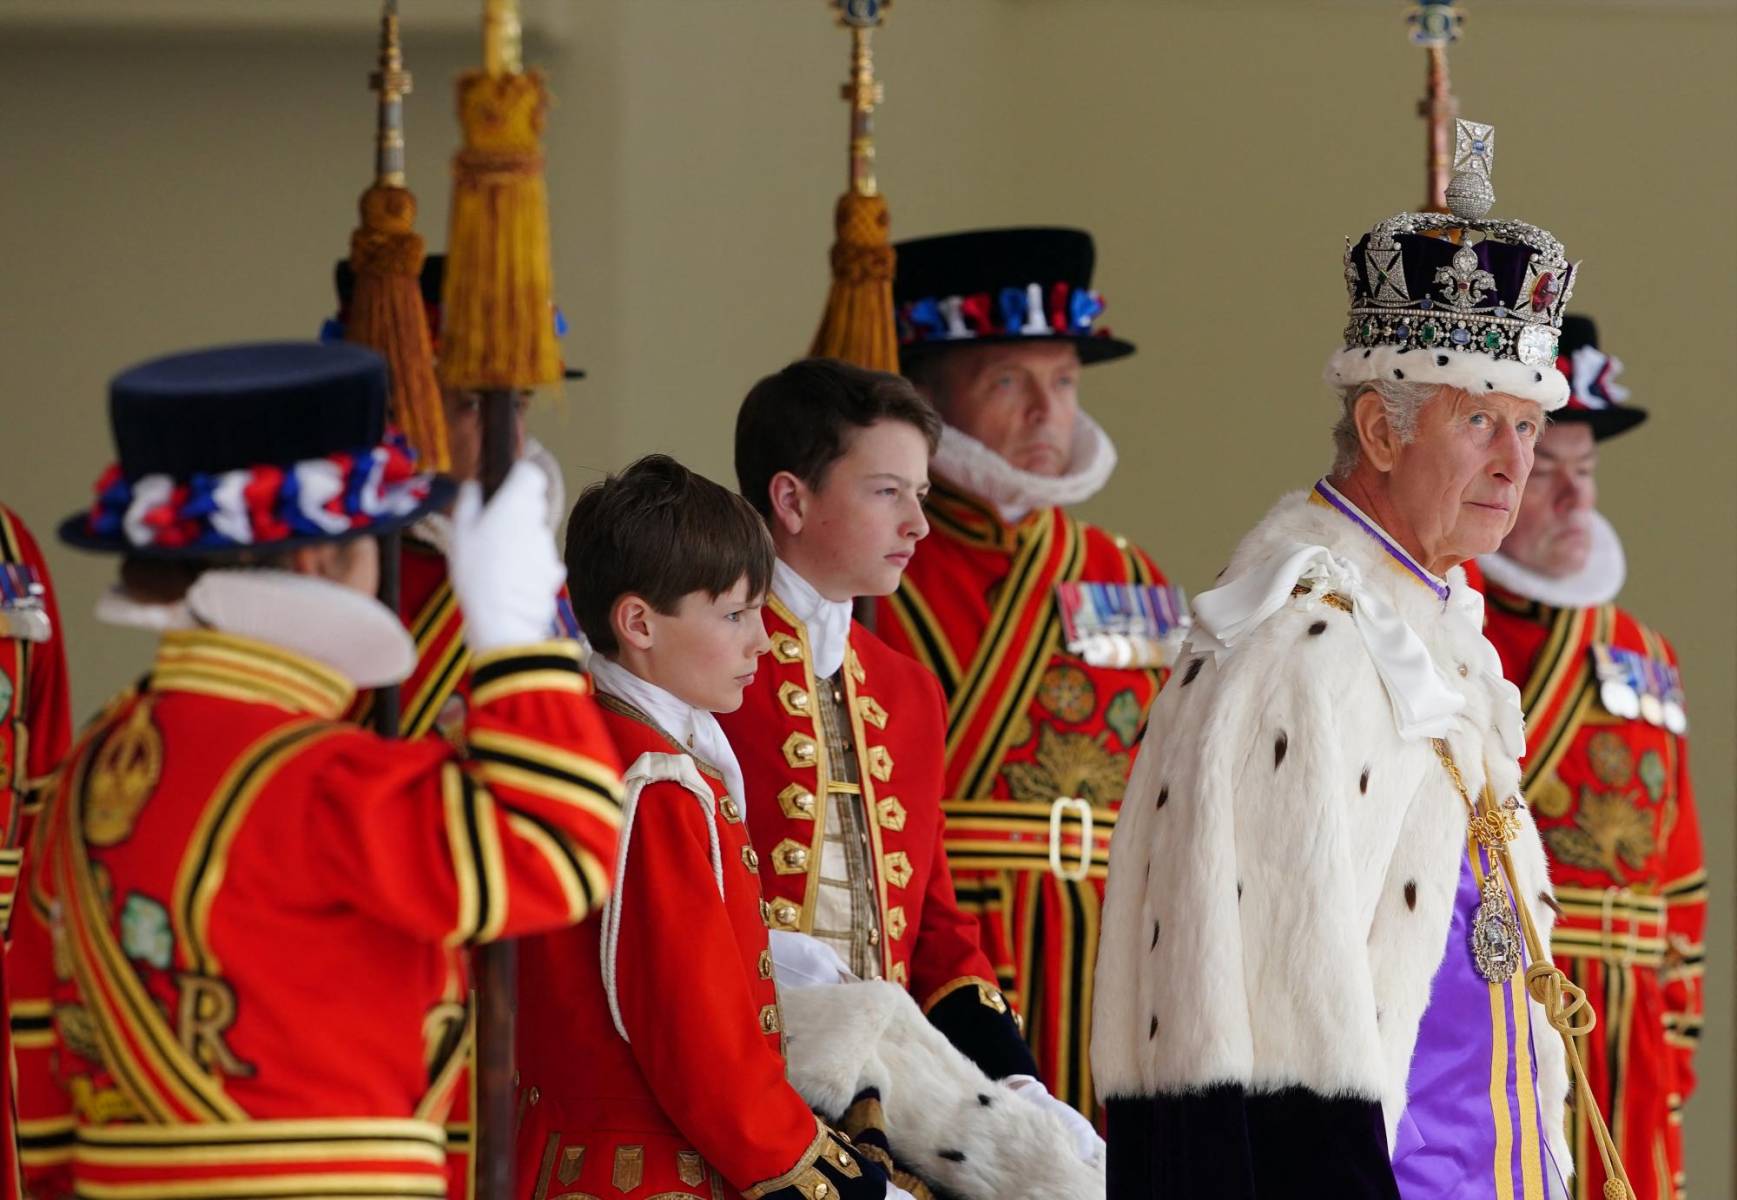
{"x": 552, "y": 666}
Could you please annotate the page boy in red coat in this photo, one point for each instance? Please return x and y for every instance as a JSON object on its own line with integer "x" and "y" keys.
{"x": 651, "y": 1053}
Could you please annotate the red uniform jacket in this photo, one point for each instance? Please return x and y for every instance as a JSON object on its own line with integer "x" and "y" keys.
{"x": 432, "y": 701}
{"x": 1615, "y": 808}
{"x": 692, "y": 1099}
{"x": 241, "y": 914}
{"x": 1027, "y": 724}
{"x": 35, "y": 727}
{"x": 896, "y": 715}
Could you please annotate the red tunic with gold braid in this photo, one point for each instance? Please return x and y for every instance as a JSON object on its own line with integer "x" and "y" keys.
{"x": 658, "y": 1070}
{"x": 35, "y": 728}
{"x": 432, "y": 701}
{"x": 1613, "y": 803}
{"x": 877, "y": 816}
{"x": 1029, "y": 725}
{"x": 242, "y": 909}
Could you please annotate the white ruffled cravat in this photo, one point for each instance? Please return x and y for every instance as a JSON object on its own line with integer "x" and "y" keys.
{"x": 828, "y": 621}
{"x": 1598, "y": 582}
{"x": 696, "y": 729}
{"x": 1423, "y": 703}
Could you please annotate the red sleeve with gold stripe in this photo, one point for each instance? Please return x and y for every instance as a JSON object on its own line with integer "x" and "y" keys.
{"x": 519, "y": 836}
{"x": 687, "y": 1001}
{"x": 1684, "y": 876}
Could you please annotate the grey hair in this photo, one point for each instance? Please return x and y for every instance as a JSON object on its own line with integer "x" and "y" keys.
{"x": 1403, "y": 400}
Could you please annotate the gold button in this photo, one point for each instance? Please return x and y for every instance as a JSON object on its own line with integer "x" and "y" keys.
{"x": 750, "y": 858}
{"x": 796, "y": 858}
{"x": 843, "y": 1159}
{"x": 805, "y": 750}
{"x": 799, "y": 700}
{"x": 821, "y": 1191}
{"x": 765, "y": 964}
{"x": 769, "y": 1019}
{"x": 766, "y": 914}
{"x": 732, "y": 812}
{"x": 797, "y": 802}
{"x": 874, "y": 937}
{"x": 535, "y": 1095}
{"x": 786, "y": 648}
{"x": 1464, "y": 670}
{"x": 785, "y": 914}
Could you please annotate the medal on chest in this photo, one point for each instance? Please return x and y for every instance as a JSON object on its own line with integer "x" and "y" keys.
{"x": 1122, "y": 624}
{"x": 22, "y": 613}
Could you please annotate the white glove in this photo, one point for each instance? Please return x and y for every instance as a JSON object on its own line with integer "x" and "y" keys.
{"x": 502, "y": 562}
{"x": 1087, "y": 1144}
{"x": 799, "y": 960}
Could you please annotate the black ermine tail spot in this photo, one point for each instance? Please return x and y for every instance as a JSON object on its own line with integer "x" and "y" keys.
{"x": 1163, "y": 795}
{"x": 1193, "y": 670}
{"x": 1363, "y": 783}
{"x": 1279, "y": 748}
{"x": 1154, "y": 945}
{"x": 1411, "y": 894}
{"x": 1152, "y": 1030}
{"x": 1317, "y": 629}
{"x": 952, "y": 1155}
{"x": 984, "y": 1100}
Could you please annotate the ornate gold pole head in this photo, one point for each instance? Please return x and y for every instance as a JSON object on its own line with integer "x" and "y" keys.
{"x": 1435, "y": 25}
{"x": 858, "y": 324}
{"x": 392, "y": 82}
{"x": 862, "y": 92}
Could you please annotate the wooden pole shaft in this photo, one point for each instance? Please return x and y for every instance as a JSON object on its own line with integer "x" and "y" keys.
{"x": 497, "y": 973}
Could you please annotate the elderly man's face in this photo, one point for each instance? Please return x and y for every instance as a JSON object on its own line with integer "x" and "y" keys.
{"x": 1457, "y": 484}
{"x": 1553, "y": 535}
{"x": 1021, "y": 401}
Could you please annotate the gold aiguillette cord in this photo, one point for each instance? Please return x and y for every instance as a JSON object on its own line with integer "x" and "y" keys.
{"x": 1564, "y": 1004}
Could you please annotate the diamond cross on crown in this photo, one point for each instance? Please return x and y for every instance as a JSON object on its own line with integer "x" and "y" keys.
{"x": 1474, "y": 147}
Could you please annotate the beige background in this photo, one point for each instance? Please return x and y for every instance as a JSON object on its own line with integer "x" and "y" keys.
{"x": 182, "y": 172}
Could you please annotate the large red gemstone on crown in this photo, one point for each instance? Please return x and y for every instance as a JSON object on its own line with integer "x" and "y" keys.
{"x": 1545, "y": 291}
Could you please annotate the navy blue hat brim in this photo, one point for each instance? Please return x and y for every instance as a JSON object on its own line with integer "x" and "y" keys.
{"x": 1091, "y": 350}
{"x": 1605, "y": 422}
{"x": 75, "y": 531}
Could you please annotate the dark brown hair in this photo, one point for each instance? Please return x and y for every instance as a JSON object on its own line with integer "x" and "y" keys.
{"x": 800, "y": 420}
{"x": 659, "y": 531}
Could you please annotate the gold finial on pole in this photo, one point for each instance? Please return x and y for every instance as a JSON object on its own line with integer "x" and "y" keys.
{"x": 503, "y": 38}
{"x": 392, "y": 82}
{"x": 1435, "y": 25}
{"x": 863, "y": 92}
{"x": 858, "y": 324}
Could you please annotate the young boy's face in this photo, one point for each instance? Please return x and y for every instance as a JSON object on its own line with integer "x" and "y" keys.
{"x": 861, "y": 526}
{"x": 707, "y": 650}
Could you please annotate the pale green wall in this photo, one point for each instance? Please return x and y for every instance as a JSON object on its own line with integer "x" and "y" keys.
{"x": 166, "y": 188}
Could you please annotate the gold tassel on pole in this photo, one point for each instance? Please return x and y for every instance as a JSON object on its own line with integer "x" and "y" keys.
{"x": 497, "y": 317}
{"x": 858, "y": 324}
{"x": 386, "y": 253}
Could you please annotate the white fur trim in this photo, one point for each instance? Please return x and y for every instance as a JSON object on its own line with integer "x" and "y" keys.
{"x": 1317, "y": 971}
{"x": 967, "y": 463}
{"x": 852, "y": 1036}
{"x": 1598, "y": 582}
{"x": 647, "y": 769}
{"x": 347, "y": 630}
{"x": 1476, "y": 373}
